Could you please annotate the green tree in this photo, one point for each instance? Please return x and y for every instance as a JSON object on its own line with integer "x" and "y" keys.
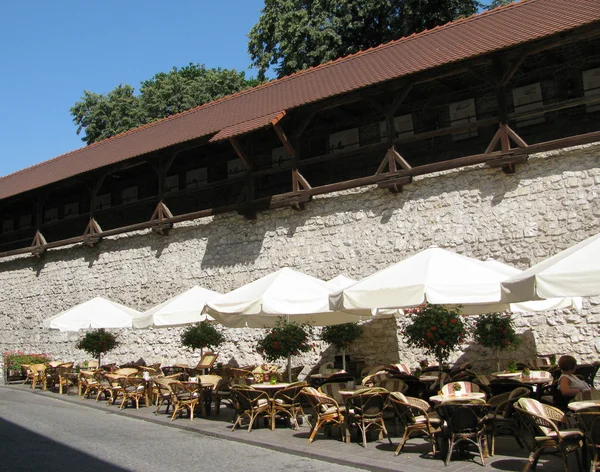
{"x": 101, "y": 116}
{"x": 341, "y": 337}
{"x": 98, "y": 342}
{"x": 296, "y": 34}
{"x": 496, "y": 331}
{"x": 201, "y": 335}
{"x": 498, "y": 3}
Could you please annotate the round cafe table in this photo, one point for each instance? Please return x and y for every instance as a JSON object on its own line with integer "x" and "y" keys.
{"x": 451, "y": 398}
{"x": 576, "y": 406}
{"x": 270, "y": 388}
{"x": 507, "y": 375}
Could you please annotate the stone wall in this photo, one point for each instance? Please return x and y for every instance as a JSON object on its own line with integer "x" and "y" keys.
{"x": 548, "y": 205}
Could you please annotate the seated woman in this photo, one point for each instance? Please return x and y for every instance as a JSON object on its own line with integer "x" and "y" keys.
{"x": 569, "y": 384}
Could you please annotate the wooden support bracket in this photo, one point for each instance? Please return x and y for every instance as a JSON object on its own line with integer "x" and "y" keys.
{"x": 504, "y": 135}
{"x": 240, "y": 153}
{"x": 392, "y": 160}
{"x": 37, "y": 246}
{"x": 90, "y": 235}
{"x": 161, "y": 213}
{"x": 299, "y": 183}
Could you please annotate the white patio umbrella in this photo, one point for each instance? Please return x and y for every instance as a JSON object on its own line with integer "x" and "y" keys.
{"x": 341, "y": 282}
{"x": 182, "y": 309}
{"x": 98, "y": 312}
{"x": 434, "y": 276}
{"x": 574, "y": 272}
{"x": 285, "y": 293}
{"x": 536, "y": 305}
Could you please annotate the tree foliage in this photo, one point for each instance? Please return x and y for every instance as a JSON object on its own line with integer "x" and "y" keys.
{"x": 201, "y": 335}
{"x": 341, "y": 336}
{"x": 285, "y": 339}
{"x": 436, "y": 329}
{"x": 101, "y": 116}
{"x": 496, "y": 331}
{"x": 292, "y": 35}
{"x": 98, "y": 342}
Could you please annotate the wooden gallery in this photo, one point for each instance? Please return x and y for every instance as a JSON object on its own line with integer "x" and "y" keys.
{"x": 481, "y": 136}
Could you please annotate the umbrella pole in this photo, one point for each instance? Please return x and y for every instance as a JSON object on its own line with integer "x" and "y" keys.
{"x": 289, "y": 367}
{"x": 343, "y": 359}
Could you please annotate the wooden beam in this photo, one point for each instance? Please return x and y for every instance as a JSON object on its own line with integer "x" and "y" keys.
{"x": 38, "y": 246}
{"x": 159, "y": 217}
{"x": 90, "y": 235}
{"x": 514, "y": 68}
{"x": 240, "y": 153}
{"x": 284, "y": 140}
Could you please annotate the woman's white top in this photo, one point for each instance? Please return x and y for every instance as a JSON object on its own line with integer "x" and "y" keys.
{"x": 575, "y": 382}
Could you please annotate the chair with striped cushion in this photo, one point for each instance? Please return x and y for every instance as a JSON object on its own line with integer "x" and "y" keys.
{"x": 401, "y": 368}
{"x": 417, "y": 418}
{"x": 393, "y": 385}
{"x": 546, "y": 426}
{"x": 327, "y": 411}
{"x": 587, "y": 395}
{"x": 250, "y": 403}
{"x": 502, "y": 420}
{"x": 332, "y": 390}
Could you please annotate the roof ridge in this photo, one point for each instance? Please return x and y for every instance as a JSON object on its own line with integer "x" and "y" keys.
{"x": 303, "y": 72}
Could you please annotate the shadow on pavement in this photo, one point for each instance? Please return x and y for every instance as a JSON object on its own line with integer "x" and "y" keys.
{"x": 24, "y": 450}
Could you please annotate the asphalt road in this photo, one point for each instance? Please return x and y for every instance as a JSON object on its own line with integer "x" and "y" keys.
{"x": 43, "y": 434}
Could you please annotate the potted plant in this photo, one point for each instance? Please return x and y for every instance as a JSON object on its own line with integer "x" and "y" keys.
{"x": 437, "y": 329}
{"x": 13, "y": 362}
{"x": 526, "y": 373}
{"x": 423, "y": 364}
{"x": 201, "y": 335}
{"x": 341, "y": 337}
{"x": 496, "y": 331}
{"x": 553, "y": 359}
{"x": 457, "y": 387}
{"x": 512, "y": 367}
{"x": 284, "y": 340}
{"x": 97, "y": 343}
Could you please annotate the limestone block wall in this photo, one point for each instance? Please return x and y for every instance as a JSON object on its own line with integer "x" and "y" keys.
{"x": 549, "y": 204}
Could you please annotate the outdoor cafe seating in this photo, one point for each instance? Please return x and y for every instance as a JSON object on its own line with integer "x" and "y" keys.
{"x": 364, "y": 410}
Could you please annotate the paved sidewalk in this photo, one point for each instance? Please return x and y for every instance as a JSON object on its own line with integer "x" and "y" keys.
{"x": 378, "y": 456}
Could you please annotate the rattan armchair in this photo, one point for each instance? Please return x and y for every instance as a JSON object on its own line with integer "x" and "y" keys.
{"x": 589, "y": 422}
{"x": 163, "y": 394}
{"x": 417, "y": 419}
{"x": 466, "y": 424}
{"x": 287, "y": 402}
{"x": 327, "y": 412}
{"x": 134, "y": 389}
{"x": 502, "y": 419}
{"x": 543, "y": 423}
{"x": 88, "y": 383}
{"x": 184, "y": 396}
{"x": 364, "y": 409}
{"x": 38, "y": 375}
{"x": 249, "y": 403}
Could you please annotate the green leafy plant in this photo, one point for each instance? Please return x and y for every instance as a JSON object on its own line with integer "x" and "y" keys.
{"x": 553, "y": 359}
{"x": 512, "y": 367}
{"x": 202, "y": 335}
{"x": 496, "y": 331}
{"x": 341, "y": 337}
{"x": 97, "y": 343}
{"x": 14, "y": 360}
{"x": 284, "y": 340}
{"x": 457, "y": 387}
{"x": 526, "y": 372}
{"x": 436, "y": 329}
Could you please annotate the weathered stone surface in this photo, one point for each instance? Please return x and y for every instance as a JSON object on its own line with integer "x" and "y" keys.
{"x": 549, "y": 204}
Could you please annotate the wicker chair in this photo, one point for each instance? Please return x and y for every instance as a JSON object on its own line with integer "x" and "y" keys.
{"x": 126, "y": 372}
{"x": 210, "y": 393}
{"x": 417, "y": 419}
{"x": 542, "y": 422}
{"x": 87, "y": 384}
{"x": 327, "y": 411}
{"x": 134, "y": 389}
{"x": 66, "y": 377}
{"x": 38, "y": 375}
{"x": 332, "y": 390}
{"x": 288, "y": 402}
{"x": 163, "y": 395}
{"x": 502, "y": 420}
{"x": 393, "y": 385}
{"x": 364, "y": 410}
{"x": 589, "y": 422}
{"x": 466, "y": 424}
{"x": 184, "y": 397}
{"x": 113, "y": 389}
{"x": 251, "y": 404}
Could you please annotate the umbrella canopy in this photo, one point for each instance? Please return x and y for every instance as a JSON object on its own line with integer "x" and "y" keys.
{"x": 537, "y": 305}
{"x": 185, "y": 308}
{"x": 95, "y": 313}
{"x": 434, "y": 276}
{"x": 341, "y": 282}
{"x": 574, "y": 272}
{"x": 288, "y": 293}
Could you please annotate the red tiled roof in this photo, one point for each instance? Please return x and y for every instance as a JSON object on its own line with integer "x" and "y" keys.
{"x": 247, "y": 126}
{"x": 501, "y": 28}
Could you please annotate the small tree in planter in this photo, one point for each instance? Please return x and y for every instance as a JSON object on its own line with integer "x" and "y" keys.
{"x": 436, "y": 329}
{"x": 496, "y": 331}
{"x": 97, "y": 343}
{"x": 341, "y": 337}
{"x": 284, "y": 340}
{"x": 201, "y": 335}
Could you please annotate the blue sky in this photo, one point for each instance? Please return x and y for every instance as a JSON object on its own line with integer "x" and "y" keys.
{"x": 52, "y": 51}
